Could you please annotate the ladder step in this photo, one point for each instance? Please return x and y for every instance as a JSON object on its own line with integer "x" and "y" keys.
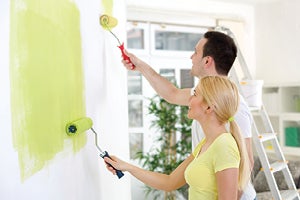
{"x": 278, "y": 166}
{"x": 266, "y": 136}
{"x": 289, "y": 194}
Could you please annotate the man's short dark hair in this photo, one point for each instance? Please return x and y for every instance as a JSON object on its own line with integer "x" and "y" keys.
{"x": 222, "y": 49}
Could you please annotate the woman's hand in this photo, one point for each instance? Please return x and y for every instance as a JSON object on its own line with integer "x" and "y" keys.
{"x": 116, "y": 163}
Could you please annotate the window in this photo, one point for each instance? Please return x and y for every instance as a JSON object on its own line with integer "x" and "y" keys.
{"x": 135, "y": 115}
{"x": 134, "y": 83}
{"x": 177, "y": 40}
{"x": 169, "y": 74}
{"x": 137, "y": 37}
{"x": 186, "y": 79}
{"x": 136, "y": 143}
{"x": 157, "y": 46}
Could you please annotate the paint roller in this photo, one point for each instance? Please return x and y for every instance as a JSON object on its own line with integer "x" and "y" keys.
{"x": 109, "y": 22}
{"x": 82, "y": 125}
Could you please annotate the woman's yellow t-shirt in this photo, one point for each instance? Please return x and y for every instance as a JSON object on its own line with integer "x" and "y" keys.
{"x": 222, "y": 154}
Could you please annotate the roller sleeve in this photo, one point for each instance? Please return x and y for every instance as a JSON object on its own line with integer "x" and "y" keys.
{"x": 79, "y": 126}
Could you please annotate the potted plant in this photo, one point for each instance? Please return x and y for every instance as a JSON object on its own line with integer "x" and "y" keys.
{"x": 172, "y": 145}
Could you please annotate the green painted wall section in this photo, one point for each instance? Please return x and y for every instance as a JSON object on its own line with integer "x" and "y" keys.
{"x": 108, "y": 7}
{"x": 46, "y": 74}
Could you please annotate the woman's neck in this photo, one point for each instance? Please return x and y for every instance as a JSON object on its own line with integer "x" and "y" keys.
{"x": 212, "y": 131}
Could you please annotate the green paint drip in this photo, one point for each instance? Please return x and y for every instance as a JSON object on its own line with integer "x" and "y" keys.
{"x": 47, "y": 89}
{"x": 108, "y": 7}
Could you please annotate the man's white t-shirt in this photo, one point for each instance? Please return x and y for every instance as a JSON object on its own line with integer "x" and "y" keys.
{"x": 244, "y": 120}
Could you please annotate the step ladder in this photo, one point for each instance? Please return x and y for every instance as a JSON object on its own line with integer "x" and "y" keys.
{"x": 269, "y": 136}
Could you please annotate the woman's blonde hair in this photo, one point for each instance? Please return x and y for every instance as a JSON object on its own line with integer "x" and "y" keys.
{"x": 222, "y": 95}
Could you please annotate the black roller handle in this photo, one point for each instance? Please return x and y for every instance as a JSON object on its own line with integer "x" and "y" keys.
{"x": 120, "y": 174}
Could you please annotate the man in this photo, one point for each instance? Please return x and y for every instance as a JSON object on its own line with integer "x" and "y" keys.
{"x": 214, "y": 56}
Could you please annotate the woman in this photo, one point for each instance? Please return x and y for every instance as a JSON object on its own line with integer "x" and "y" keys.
{"x": 219, "y": 165}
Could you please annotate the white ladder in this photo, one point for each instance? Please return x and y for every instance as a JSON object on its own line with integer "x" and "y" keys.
{"x": 269, "y": 136}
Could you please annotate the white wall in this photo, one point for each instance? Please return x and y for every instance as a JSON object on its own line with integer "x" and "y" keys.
{"x": 278, "y": 42}
{"x": 8, "y": 159}
{"x": 82, "y": 175}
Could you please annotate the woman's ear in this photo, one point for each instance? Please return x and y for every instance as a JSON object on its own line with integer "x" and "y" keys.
{"x": 209, "y": 109}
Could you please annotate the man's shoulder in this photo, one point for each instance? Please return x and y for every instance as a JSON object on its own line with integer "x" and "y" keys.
{"x": 244, "y": 118}
{"x": 243, "y": 107}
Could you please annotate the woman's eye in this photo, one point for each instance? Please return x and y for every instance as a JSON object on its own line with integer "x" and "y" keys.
{"x": 194, "y": 93}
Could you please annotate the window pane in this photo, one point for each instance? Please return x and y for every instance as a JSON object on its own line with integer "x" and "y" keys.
{"x": 135, "y": 38}
{"x": 135, "y": 112}
{"x": 176, "y": 41}
{"x": 169, "y": 74}
{"x": 134, "y": 82}
{"x": 186, "y": 79}
{"x": 136, "y": 143}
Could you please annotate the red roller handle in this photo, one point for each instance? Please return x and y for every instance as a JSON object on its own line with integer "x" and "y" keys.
{"x": 125, "y": 57}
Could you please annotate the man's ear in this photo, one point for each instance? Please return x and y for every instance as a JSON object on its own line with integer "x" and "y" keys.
{"x": 208, "y": 60}
{"x": 210, "y": 64}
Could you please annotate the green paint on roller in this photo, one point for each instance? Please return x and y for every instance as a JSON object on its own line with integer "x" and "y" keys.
{"x": 108, "y": 22}
{"x": 46, "y": 75}
{"x": 79, "y": 126}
